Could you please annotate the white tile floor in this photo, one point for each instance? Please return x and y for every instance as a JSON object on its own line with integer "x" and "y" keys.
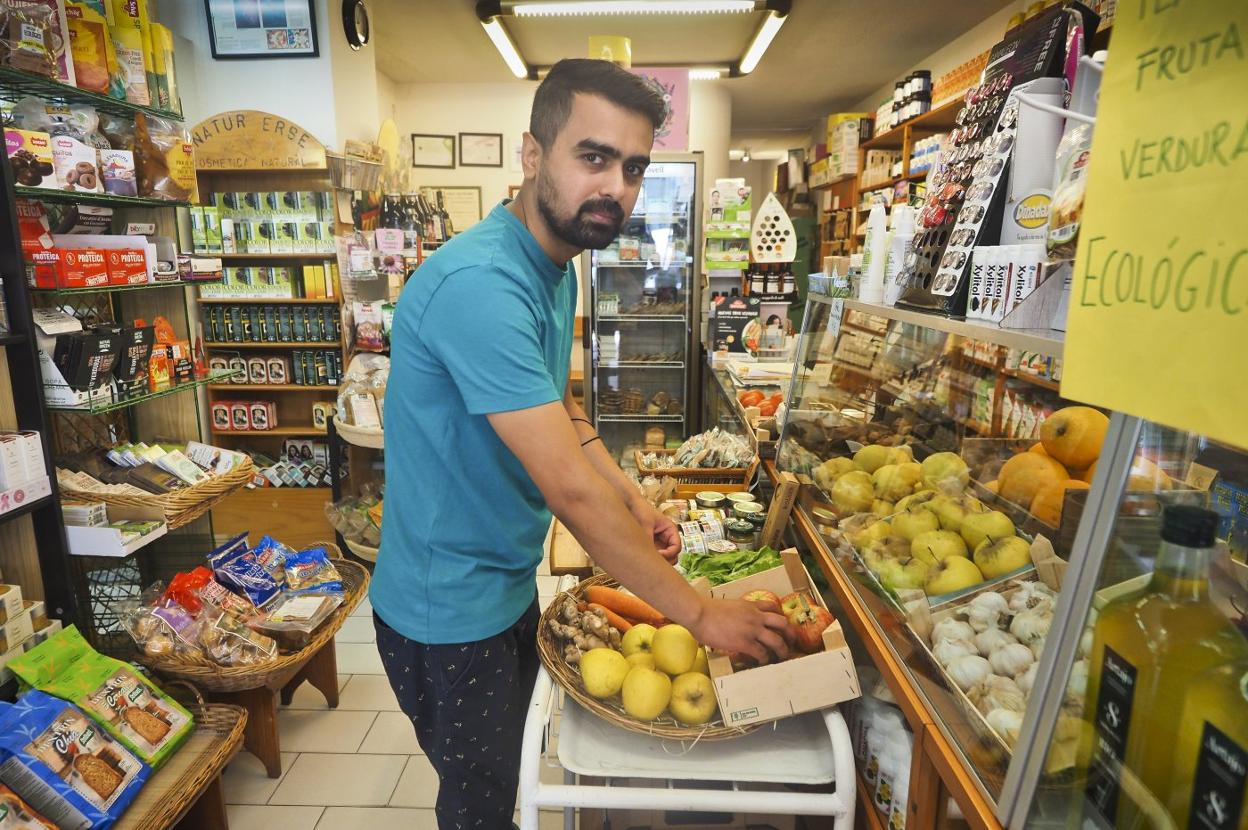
{"x": 357, "y": 767}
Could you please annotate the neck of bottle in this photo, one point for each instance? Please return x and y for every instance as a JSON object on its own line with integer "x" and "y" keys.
{"x": 1182, "y": 572}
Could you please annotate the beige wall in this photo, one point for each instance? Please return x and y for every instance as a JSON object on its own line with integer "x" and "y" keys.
{"x": 759, "y": 174}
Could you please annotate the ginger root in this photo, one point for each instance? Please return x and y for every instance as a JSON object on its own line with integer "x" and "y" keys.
{"x": 581, "y": 631}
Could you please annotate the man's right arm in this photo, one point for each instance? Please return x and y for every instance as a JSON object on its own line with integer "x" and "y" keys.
{"x": 545, "y": 442}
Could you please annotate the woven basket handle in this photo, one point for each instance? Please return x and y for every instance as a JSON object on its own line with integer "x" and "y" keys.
{"x": 195, "y": 694}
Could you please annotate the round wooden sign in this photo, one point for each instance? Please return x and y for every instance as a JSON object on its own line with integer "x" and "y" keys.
{"x": 255, "y": 140}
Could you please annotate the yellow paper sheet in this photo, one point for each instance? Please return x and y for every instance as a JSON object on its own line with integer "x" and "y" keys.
{"x": 1158, "y": 323}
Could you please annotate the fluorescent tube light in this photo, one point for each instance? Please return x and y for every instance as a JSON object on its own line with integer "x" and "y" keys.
{"x": 766, "y": 33}
{"x": 505, "y": 47}
{"x": 616, "y": 7}
{"x": 705, "y": 74}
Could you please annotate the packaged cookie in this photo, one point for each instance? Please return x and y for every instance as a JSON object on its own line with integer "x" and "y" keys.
{"x": 126, "y": 704}
{"x": 236, "y": 568}
{"x": 27, "y": 37}
{"x": 229, "y": 642}
{"x": 164, "y": 159}
{"x": 77, "y": 166}
{"x": 30, "y": 156}
{"x": 62, "y": 764}
{"x": 310, "y": 571}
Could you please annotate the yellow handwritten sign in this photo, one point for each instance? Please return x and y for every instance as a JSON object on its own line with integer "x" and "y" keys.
{"x": 254, "y": 140}
{"x": 1158, "y": 323}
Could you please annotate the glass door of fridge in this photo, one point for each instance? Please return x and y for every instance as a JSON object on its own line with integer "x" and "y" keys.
{"x": 640, "y": 296}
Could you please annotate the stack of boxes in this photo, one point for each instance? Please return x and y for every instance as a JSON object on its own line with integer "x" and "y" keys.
{"x": 24, "y": 624}
{"x": 23, "y": 475}
{"x": 846, "y": 131}
{"x": 264, "y": 222}
{"x": 958, "y": 80}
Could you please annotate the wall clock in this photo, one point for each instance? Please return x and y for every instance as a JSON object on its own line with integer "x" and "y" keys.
{"x": 355, "y": 23}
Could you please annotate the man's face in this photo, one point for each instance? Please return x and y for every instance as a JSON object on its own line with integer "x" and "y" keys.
{"x": 589, "y": 179}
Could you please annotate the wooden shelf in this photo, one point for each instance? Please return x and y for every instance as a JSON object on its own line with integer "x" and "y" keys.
{"x": 271, "y": 387}
{"x": 983, "y": 363}
{"x": 275, "y": 432}
{"x": 268, "y": 300}
{"x": 320, "y": 344}
{"x": 933, "y": 121}
{"x": 273, "y": 257}
{"x": 1034, "y": 380}
{"x": 976, "y": 427}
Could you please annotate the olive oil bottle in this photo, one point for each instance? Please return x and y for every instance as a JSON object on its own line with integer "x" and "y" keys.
{"x": 1147, "y": 648}
{"x": 1210, "y": 775}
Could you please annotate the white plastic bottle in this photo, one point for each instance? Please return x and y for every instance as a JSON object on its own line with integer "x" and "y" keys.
{"x": 901, "y": 231}
{"x": 874, "y": 257}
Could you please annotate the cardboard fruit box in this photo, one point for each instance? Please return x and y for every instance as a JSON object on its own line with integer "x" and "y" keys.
{"x": 801, "y": 684}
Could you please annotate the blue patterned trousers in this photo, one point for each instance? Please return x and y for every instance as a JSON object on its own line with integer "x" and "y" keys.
{"x": 468, "y": 702}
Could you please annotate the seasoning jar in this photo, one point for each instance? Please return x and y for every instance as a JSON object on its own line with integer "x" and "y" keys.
{"x": 758, "y": 520}
{"x": 710, "y": 499}
{"x": 742, "y": 509}
{"x": 736, "y": 498}
{"x": 741, "y": 533}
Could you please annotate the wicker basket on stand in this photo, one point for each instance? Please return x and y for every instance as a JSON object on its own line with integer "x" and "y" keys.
{"x": 212, "y": 677}
{"x": 696, "y": 475}
{"x": 180, "y": 506}
{"x": 570, "y": 679}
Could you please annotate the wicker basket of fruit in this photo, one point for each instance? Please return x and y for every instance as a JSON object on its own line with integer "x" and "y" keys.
{"x": 584, "y": 637}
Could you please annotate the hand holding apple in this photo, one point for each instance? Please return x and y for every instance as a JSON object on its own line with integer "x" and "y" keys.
{"x": 756, "y": 629}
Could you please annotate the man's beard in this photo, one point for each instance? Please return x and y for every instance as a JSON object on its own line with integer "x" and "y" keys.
{"x": 579, "y": 231}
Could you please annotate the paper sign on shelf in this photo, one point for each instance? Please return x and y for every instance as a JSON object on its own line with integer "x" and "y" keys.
{"x": 1159, "y": 307}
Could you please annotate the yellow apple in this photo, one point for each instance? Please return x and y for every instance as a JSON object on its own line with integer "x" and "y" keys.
{"x": 674, "y": 649}
{"x": 882, "y": 508}
{"x": 646, "y": 693}
{"x": 641, "y": 658}
{"x": 639, "y": 638}
{"x": 920, "y": 497}
{"x": 935, "y": 545}
{"x": 853, "y": 492}
{"x": 998, "y": 558}
{"x": 945, "y": 471}
{"x": 885, "y": 550}
{"x": 872, "y": 457}
{"x": 693, "y": 699}
{"x": 953, "y": 574}
{"x": 700, "y": 664}
{"x": 993, "y": 524}
{"x": 603, "y": 671}
{"x": 871, "y": 533}
{"x": 911, "y": 523}
{"x": 895, "y": 481}
{"x": 901, "y": 455}
{"x": 904, "y": 573}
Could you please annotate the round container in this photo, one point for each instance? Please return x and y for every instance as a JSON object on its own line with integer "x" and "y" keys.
{"x": 741, "y": 533}
{"x": 721, "y": 546}
{"x": 742, "y": 509}
{"x": 825, "y": 521}
{"x": 710, "y": 499}
{"x": 757, "y": 519}
{"x": 737, "y": 498}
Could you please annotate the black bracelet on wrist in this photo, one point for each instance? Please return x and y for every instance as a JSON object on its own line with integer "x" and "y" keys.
{"x": 591, "y": 440}
{"x": 584, "y": 421}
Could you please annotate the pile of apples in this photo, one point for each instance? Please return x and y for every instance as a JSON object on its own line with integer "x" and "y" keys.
{"x": 873, "y": 481}
{"x": 1065, "y": 459}
{"x": 766, "y": 406}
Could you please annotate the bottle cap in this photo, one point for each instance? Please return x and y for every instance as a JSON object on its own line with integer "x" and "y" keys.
{"x": 1191, "y": 527}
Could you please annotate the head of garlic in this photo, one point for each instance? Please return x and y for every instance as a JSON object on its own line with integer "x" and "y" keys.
{"x": 1006, "y": 723}
{"x": 1077, "y": 685}
{"x": 1010, "y": 660}
{"x": 983, "y": 619}
{"x": 989, "y": 641}
{"x": 1031, "y": 595}
{"x": 946, "y": 651}
{"x": 997, "y": 692}
{"x": 951, "y": 629}
{"x": 991, "y": 601}
{"x": 1028, "y": 678}
{"x": 1032, "y": 626}
{"x": 968, "y": 670}
{"x": 1085, "y": 642}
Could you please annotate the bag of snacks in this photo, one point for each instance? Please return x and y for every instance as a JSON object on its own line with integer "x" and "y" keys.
{"x": 294, "y": 618}
{"x": 272, "y": 555}
{"x": 164, "y": 158}
{"x": 310, "y": 571}
{"x": 16, "y": 814}
{"x": 236, "y": 568}
{"x": 163, "y": 631}
{"x": 27, "y": 35}
{"x": 126, "y": 704}
{"x": 184, "y": 588}
{"x": 91, "y": 43}
{"x": 228, "y": 641}
{"x": 58, "y": 761}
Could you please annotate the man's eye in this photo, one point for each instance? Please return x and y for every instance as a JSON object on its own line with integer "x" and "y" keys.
{"x": 592, "y": 158}
{"x": 636, "y": 170}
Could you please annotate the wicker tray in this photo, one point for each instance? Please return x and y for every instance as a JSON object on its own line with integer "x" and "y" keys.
{"x": 360, "y": 436}
{"x": 697, "y": 475}
{"x": 212, "y": 677}
{"x": 368, "y": 554}
{"x": 570, "y": 680}
{"x": 181, "y": 506}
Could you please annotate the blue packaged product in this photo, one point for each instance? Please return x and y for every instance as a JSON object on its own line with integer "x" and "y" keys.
{"x": 310, "y": 571}
{"x": 237, "y": 568}
{"x": 64, "y": 765}
{"x": 272, "y": 554}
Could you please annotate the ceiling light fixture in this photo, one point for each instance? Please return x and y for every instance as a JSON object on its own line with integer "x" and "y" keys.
{"x": 705, "y": 74}
{"x": 621, "y": 7}
{"x": 746, "y": 155}
{"x": 502, "y": 42}
{"x": 762, "y": 39}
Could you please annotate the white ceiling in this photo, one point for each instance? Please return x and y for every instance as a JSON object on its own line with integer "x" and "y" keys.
{"x": 829, "y": 55}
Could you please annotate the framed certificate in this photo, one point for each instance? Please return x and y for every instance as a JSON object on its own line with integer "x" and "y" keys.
{"x": 251, "y": 29}
{"x": 480, "y": 149}
{"x": 433, "y": 150}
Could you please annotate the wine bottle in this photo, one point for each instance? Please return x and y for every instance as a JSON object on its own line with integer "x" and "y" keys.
{"x": 1146, "y": 648}
{"x": 448, "y": 229}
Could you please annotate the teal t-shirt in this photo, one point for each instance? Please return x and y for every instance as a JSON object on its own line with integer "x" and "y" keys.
{"x": 484, "y": 326}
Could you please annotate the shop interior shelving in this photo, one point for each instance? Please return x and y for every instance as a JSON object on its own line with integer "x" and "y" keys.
{"x": 294, "y": 515}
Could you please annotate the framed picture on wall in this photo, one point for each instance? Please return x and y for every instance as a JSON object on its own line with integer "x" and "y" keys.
{"x": 253, "y": 29}
{"x": 513, "y": 190}
{"x": 480, "y": 149}
{"x": 433, "y": 151}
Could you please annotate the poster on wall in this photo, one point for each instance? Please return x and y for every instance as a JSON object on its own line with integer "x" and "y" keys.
{"x": 673, "y": 85}
{"x": 252, "y": 29}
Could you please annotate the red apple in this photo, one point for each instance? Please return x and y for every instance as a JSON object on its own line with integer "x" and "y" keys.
{"x": 761, "y": 595}
{"x": 790, "y": 604}
{"x": 808, "y": 621}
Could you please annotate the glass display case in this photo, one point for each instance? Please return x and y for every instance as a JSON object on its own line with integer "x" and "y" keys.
{"x": 1000, "y": 542}
{"x": 641, "y": 294}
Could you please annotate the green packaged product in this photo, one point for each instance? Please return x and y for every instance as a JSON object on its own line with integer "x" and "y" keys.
{"x": 126, "y": 704}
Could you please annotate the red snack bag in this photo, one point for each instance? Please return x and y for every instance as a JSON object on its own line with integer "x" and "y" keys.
{"x": 184, "y": 588}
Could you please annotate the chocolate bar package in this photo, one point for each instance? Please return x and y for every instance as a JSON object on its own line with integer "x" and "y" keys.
{"x": 64, "y": 765}
{"x": 136, "y": 348}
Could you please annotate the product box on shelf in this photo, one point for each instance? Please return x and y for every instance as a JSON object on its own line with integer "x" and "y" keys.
{"x": 16, "y": 631}
{"x": 76, "y": 165}
{"x": 801, "y": 684}
{"x": 112, "y": 541}
{"x": 21, "y": 458}
{"x": 10, "y": 602}
{"x": 118, "y": 172}
{"x": 69, "y": 268}
{"x": 30, "y": 156}
{"x": 10, "y": 655}
{"x": 127, "y": 266}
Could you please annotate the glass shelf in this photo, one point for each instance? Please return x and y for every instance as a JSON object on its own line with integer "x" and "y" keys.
{"x": 643, "y": 318}
{"x": 112, "y": 289}
{"x": 110, "y": 405}
{"x": 621, "y": 364}
{"x": 102, "y": 199}
{"x": 15, "y": 85}
{"x": 642, "y": 419}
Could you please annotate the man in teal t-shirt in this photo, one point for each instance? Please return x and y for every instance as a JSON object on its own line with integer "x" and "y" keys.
{"x": 484, "y": 442}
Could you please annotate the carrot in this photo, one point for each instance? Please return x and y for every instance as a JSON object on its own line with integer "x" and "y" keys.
{"x": 626, "y": 605}
{"x": 613, "y": 618}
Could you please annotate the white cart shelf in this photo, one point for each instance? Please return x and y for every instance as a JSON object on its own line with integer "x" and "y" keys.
{"x": 809, "y": 749}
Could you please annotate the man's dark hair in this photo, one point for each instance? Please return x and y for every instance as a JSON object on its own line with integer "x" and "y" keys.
{"x": 552, "y": 105}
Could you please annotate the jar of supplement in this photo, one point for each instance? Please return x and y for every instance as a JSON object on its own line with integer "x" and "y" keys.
{"x": 710, "y": 499}
{"x": 741, "y": 533}
{"x": 742, "y": 509}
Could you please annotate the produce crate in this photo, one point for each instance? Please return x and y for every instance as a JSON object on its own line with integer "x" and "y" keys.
{"x": 696, "y": 475}
{"x": 802, "y": 684}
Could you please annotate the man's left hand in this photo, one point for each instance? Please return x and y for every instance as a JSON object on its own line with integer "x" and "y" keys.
{"x": 661, "y": 529}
